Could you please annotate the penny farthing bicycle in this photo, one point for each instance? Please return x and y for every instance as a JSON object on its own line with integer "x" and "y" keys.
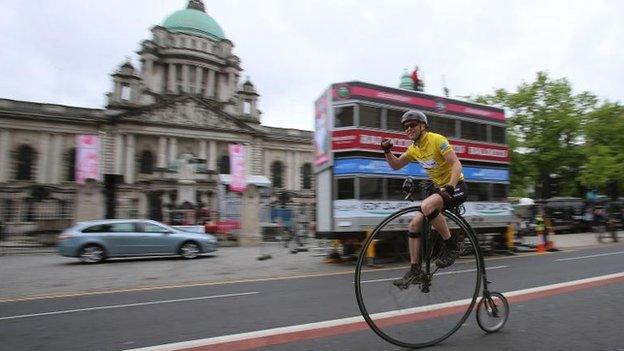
{"x": 426, "y": 313}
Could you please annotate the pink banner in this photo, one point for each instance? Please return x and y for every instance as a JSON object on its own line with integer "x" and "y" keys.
{"x": 369, "y": 140}
{"x": 322, "y": 127}
{"x": 87, "y": 158}
{"x": 237, "y": 167}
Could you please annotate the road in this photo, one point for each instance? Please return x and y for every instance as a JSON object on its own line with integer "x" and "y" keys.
{"x": 293, "y": 313}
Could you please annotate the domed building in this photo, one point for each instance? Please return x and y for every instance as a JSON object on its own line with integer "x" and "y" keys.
{"x": 163, "y": 139}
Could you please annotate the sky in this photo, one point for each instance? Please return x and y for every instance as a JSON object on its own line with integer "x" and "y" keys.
{"x": 63, "y": 51}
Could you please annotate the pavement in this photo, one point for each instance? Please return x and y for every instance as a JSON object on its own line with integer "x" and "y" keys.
{"x": 48, "y": 274}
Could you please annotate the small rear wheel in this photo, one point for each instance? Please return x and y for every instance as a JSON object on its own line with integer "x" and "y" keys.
{"x": 492, "y": 312}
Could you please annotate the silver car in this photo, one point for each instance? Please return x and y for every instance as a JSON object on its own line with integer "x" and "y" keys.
{"x": 94, "y": 241}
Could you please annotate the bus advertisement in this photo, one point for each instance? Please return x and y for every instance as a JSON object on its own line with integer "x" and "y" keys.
{"x": 356, "y": 188}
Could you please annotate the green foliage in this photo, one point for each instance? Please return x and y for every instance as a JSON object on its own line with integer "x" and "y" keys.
{"x": 551, "y": 130}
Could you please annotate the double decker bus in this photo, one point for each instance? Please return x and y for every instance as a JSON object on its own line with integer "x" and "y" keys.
{"x": 356, "y": 188}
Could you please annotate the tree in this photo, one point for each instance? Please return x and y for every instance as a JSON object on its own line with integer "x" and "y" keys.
{"x": 604, "y": 146}
{"x": 545, "y": 130}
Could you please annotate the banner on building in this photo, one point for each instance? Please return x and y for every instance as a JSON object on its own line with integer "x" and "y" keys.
{"x": 237, "y": 167}
{"x": 87, "y": 158}
{"x": 322, "y": 131}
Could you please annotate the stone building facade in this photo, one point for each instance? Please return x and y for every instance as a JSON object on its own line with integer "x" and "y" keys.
{"x": 164, "y": 136}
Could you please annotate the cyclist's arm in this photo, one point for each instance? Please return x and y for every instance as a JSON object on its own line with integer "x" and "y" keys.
{"x": 456, "y": 166}
{"x": 397, "y": 162}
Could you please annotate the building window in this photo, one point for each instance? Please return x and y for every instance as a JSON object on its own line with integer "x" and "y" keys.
{"x": 25, "y": 162}
{"x": 473, "y": 131}
{"x": 224, "y": 164}
{"x": 370, "y": 116}
{"x": 498, "y": 135}
{"x": 343, "y": 116}
{"x": 70, "y": 161}
{"x": 277, "y": 170}
{"x": 28, "y": 211}
{"x": 394, "y": 188}
{"x": 147, "y": 162}
{"x": 306, "y": 174}
{"x": 133, "y": 211}
{"x": 345, "y": 188}
{"x": 371, "y": 189}
{"x": 247, "y": 107}
{"x": 8, "y": 210}
{"x": 441, "y": 125}
{"x": 125, "y": 92}
{"x": 393, "y": 120}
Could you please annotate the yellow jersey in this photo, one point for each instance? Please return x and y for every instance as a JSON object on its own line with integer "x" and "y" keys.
{"x": 430, "y": 154}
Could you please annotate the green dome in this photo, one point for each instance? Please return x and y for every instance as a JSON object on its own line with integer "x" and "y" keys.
{"x": 406, "y": 81}
{"x": 193, "y": 22}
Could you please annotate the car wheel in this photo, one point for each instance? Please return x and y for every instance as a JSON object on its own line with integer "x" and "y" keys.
{"x": 190, "y": 250}
{"x": 92, "y": 254}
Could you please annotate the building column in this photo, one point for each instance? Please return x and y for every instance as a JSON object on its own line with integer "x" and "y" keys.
{"x": 210, "y": 83}
{"x": 185, "y": 78}
{"x": 231, "y": 84}
{"x": 249, "y": 162}
{"x": 289, "y": 170}
{"x": 212, "y": 155}
{"x": 57, "y": 158}
{"x": 42, "y": 162}
{"x": 198, "y": 79}
{"x": 202, "y": 149}
{"x": 297, "y": 177}
{"x": 5, "y": 160}
{"x": 222, "y": 87}
{"x": 173, "y": 149}
{"x": 119, "y": 157}
{"x": 162, "y": 152}
{"x": 130, "y": 142}
{"x": 173, "y": 83}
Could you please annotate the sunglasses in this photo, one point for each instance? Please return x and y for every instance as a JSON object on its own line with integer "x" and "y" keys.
{"x": 411, "y": 125}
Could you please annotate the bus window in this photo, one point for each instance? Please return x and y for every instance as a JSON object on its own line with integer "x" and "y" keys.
{"x": 498, "y": 135}
{"x": 478, "y": 191}
{"x": 473, "y": 131}
{"x": 441, "y": 125}
{"x": 499, "y": 192}
{"x": 345, "y": 188}
{"x": 394, "y": 188}
{"x": 343, "y": 116}
{"x": 370, "y": 188}
{"x": 370, "y": 116}
{"x": 393, "y": 120}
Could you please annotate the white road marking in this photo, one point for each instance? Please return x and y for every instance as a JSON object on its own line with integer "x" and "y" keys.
{"x": 444, "y": 273}
{"x": 124, "y": 305}
{"x": 353, "y": 320}
{"x": 589, "y": 256}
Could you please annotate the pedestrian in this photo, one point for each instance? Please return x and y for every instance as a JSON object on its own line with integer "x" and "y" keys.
{"x": 438, "y": 158}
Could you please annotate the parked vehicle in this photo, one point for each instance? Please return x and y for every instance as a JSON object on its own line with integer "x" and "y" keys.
{"x": 95, "y": 241}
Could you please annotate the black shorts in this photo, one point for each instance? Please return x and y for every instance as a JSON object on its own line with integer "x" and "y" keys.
{"x": 457, "y": 198}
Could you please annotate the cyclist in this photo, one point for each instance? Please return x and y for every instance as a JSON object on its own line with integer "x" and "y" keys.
{"x": 436, "y": 155}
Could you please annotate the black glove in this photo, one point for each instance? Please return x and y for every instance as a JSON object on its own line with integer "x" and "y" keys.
{"x": 386, "y": 145}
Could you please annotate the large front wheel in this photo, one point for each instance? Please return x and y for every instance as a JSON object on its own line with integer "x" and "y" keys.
{"x": 409, "y": 317}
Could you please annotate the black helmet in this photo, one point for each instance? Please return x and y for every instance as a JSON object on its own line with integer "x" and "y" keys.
{"x": 414, "y": 115}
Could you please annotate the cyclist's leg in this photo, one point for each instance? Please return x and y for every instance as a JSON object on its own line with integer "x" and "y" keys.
{"x": 414, "y": 274}
{"x": 414, "y": 227}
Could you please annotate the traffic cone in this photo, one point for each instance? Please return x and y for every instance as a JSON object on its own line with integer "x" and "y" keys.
{"x": 541, "y": 247}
